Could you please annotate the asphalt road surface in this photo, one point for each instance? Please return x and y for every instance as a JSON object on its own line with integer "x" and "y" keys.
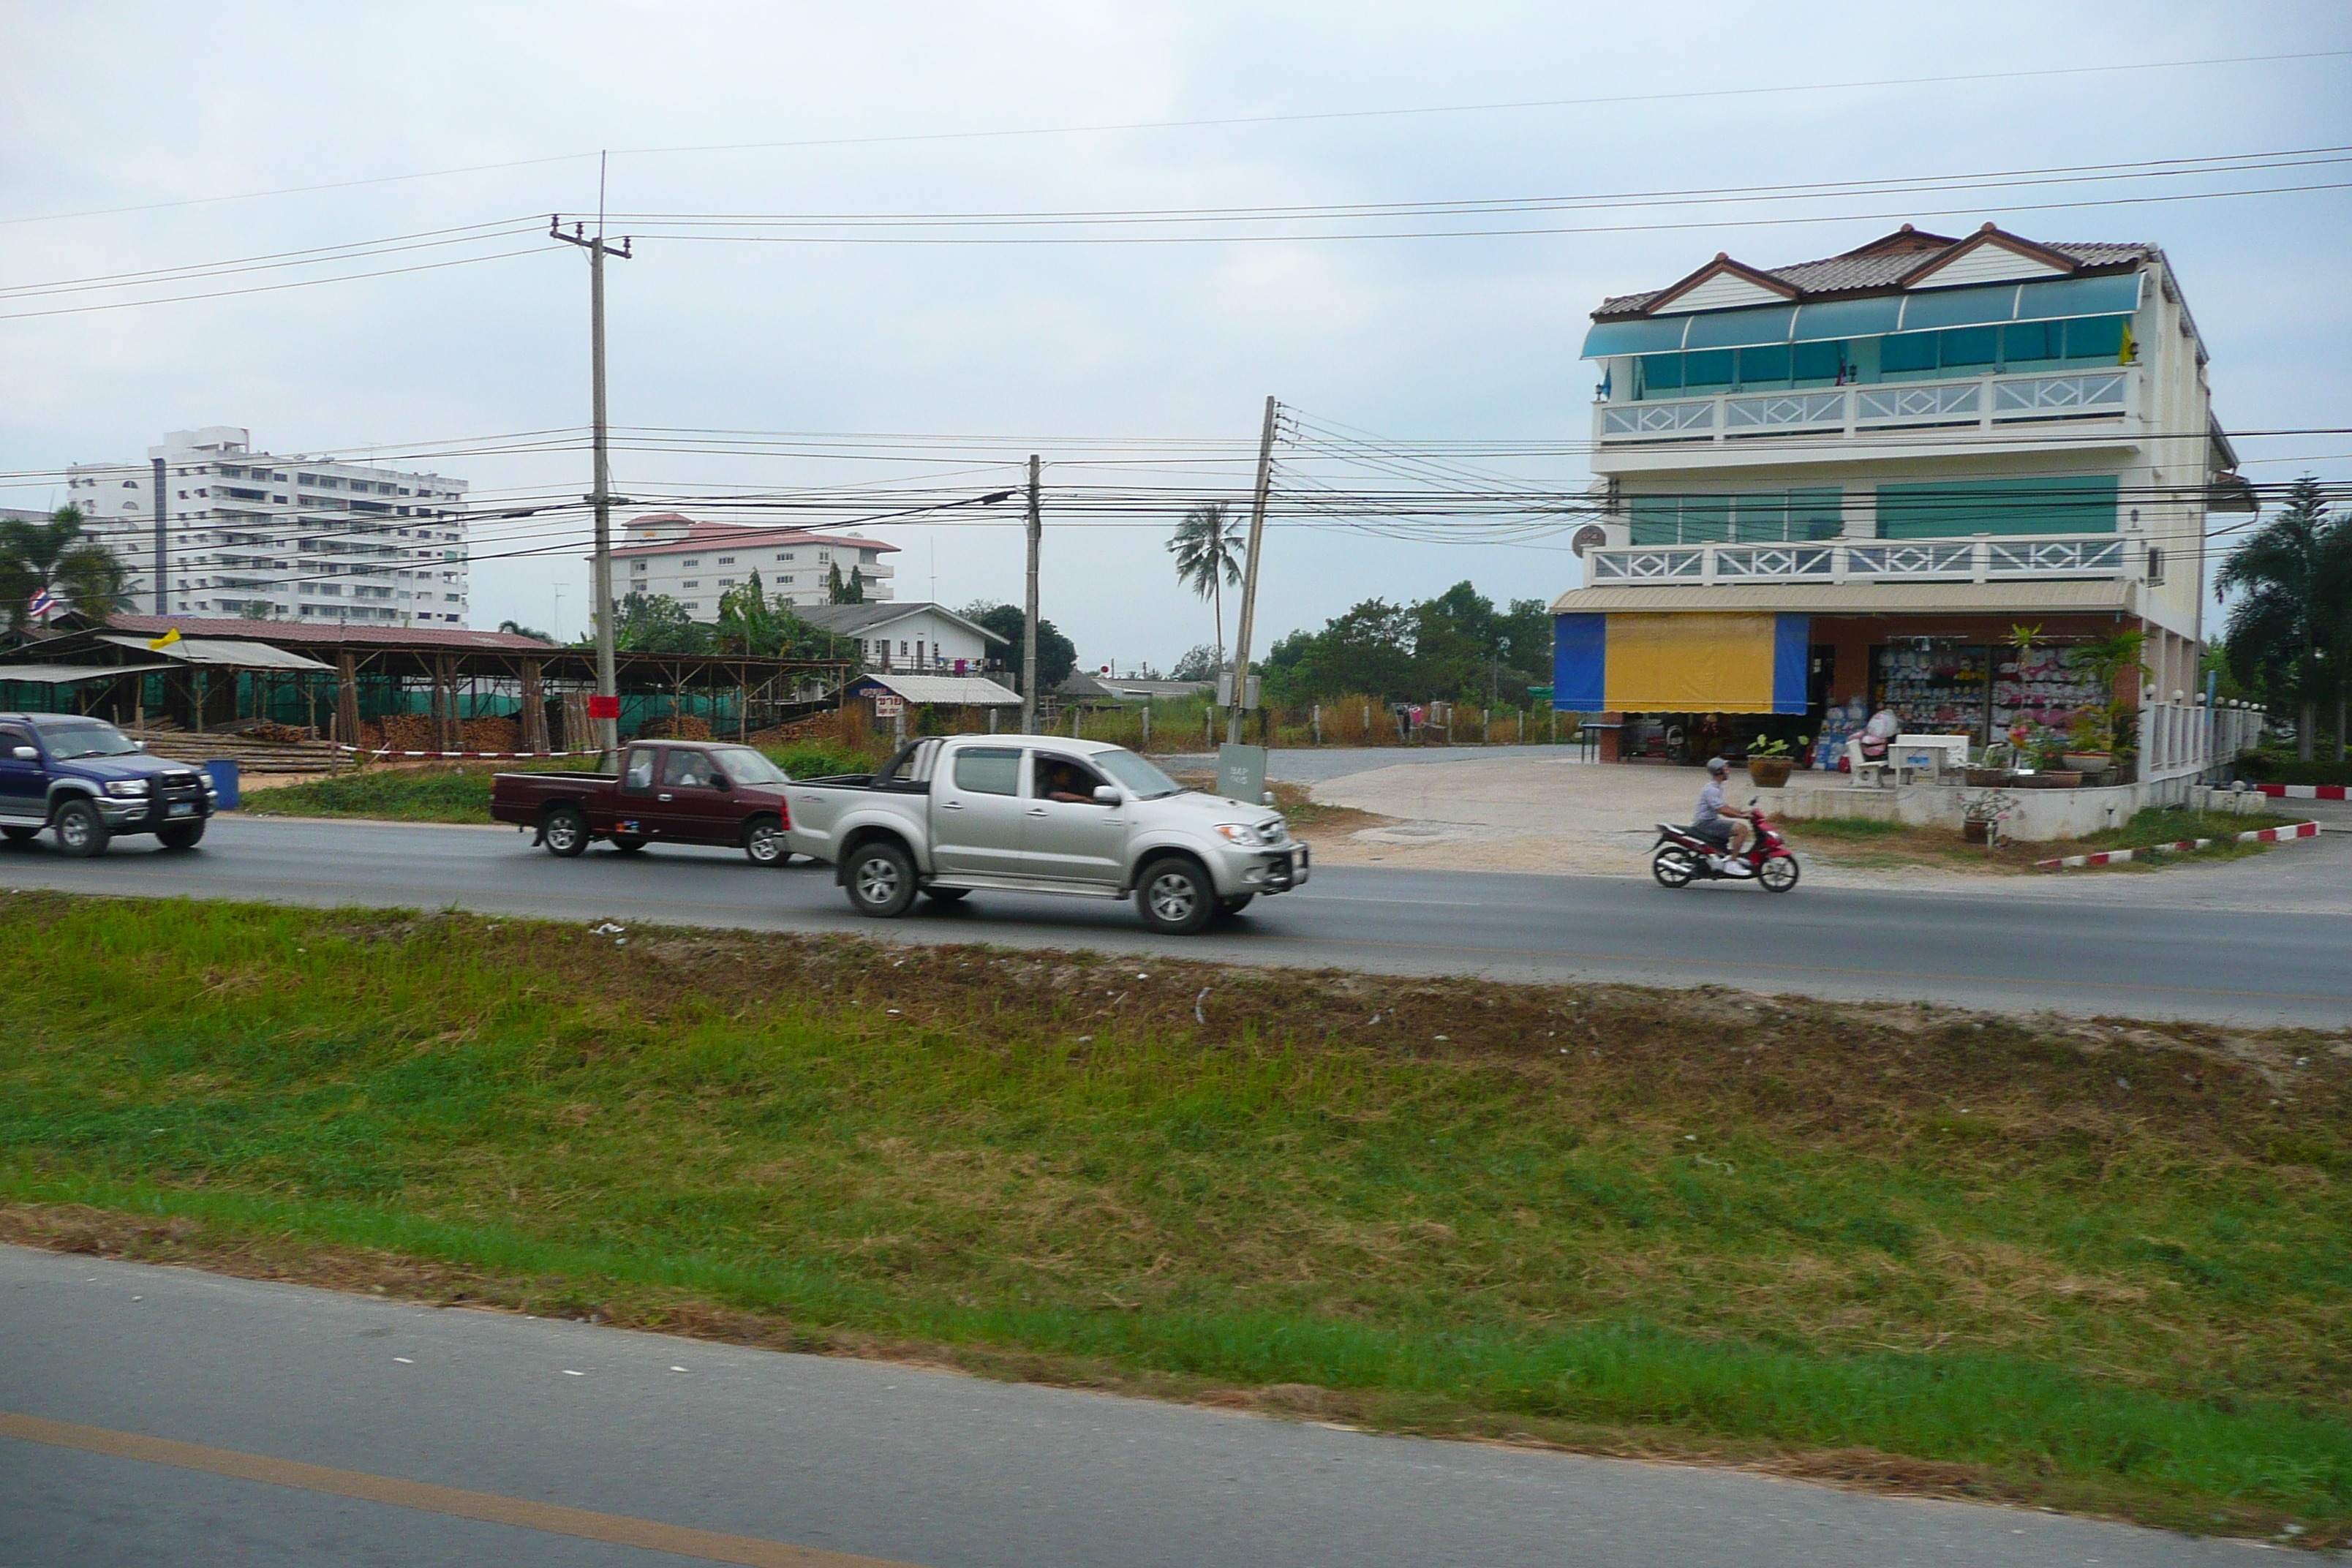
{"x": 160, "y": 1416}
{"x": 1973, "y": 949}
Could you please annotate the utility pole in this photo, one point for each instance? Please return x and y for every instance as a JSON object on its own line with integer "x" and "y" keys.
{"x": 1249, "y": 578}
{"x": 1029, "y": 610}
{"x": 608, "y": 690}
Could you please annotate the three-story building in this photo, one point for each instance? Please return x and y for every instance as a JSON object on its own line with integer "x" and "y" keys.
{"x": 1855, "y": 478}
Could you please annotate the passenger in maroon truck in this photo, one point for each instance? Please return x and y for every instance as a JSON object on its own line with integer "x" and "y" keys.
{"x": 666, "y": 792}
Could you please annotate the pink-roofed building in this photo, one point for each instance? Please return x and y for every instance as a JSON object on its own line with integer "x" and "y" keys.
{"x": 694, "y": 562}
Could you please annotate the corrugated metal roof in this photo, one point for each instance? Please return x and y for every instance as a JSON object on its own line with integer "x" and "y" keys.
{"x": 232, "y": 653}
{"x": 955, "y": 690}
{"x": 72, "y": 674}
{"x": 327, "y": 632}
{"x": 2093, "y": 596}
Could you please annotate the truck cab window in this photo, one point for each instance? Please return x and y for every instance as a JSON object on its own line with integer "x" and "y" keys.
{"x": 639, "y": 773}
{"x": 988, "y": 770}
{"x": 690, "y": 770}
{"x": 1065, "y": 779}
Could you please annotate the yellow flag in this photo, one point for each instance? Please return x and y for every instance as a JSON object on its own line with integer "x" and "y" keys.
{"x": 2126, "y": 358}
{"x": 158, "y": 645}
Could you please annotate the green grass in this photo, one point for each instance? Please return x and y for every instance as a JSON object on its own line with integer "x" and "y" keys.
{"x": 2098, "y": 1268}
{"x": 461, "y": 792}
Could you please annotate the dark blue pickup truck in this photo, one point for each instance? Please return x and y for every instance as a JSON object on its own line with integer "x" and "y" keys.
{"x": 89, "y": 781}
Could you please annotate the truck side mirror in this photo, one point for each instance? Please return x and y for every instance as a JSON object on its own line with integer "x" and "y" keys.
{"x": 140, "y": 744}
{"x": 27, "y": 754}
{"x": 1106, "y": 794}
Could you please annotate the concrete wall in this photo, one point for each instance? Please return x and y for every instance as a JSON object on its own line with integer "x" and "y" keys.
{"x": 2040, "y": 816}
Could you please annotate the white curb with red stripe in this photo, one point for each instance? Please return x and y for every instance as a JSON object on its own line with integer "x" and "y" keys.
{"x": 2179, "y": 846}
{"x": 2306, "y": 792}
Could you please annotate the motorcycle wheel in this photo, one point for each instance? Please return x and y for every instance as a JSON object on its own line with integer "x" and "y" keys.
{"x": 1673, "y": 867}
{"x": 1779, "y": 874}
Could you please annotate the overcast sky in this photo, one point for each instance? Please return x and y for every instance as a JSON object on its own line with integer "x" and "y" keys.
{"x": 1125, "y": 364}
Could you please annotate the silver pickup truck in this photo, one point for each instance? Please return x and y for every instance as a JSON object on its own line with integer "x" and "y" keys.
{"x": 1028, "y": 814}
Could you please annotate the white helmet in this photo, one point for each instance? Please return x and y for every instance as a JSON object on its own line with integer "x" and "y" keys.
{"x": 1719, "y": 767}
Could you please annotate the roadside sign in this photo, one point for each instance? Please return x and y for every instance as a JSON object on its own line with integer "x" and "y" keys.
{"x": 604, "y": 707}
{"x": 887, "y": 705}
{"x": 1241, "y": 772}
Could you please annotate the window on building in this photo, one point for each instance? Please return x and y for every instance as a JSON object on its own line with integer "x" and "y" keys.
{"x": 726, "y": 561}
{"x": 1756, "y": 517}
{"x": 690, "y": 563}
{"x": 783, "y": 555}
{"x": 902, "y": 647}
{"x": 691, "y": 582}
{"x": 1954, "y": 509}
{"x": 2154, "y": 564}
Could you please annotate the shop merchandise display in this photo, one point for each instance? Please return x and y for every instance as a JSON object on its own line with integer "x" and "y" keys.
{"x": 2047, "y": 690}
{"x": 1943, "y": 687}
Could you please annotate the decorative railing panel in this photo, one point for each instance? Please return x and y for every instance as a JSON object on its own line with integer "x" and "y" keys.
{"x": 2054, "y": 557}
{"x": 1921, "y": 400}
{"x": 1774, "y": 562}
{"x": 1784, "y": 409}
{"x": 2059, "y": 394}
{"x": 1657, "y": 418}
{"x": 1910, "y": 560}
{"x": 1653, "y": 565}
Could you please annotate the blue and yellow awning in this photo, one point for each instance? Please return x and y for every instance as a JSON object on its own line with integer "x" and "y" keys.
{"x": 1643, "y": 663}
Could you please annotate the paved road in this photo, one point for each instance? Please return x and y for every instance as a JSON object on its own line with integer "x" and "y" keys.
{"x": 2122, "y": 952}
{"x": 302, "y": 1426}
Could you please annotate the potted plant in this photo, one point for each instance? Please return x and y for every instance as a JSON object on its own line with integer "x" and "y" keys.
{"x": 1769, "y": 764}
{"x": 2107, "y": 726}
{"x": 1991, "y": 768}
{"x": 2090, "y": 740}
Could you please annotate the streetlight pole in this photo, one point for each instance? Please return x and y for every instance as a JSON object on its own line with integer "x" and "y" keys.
{"x": 1029, "y": 609}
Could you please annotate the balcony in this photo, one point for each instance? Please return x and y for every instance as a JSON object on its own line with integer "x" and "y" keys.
{"x": 1987, "y": 403}
{"x": 1983, "y": 560}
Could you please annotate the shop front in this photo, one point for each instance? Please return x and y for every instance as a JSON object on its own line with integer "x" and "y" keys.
{"x": 1681, "y": 687}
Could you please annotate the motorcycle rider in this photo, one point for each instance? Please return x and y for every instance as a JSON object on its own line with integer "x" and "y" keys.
{"x": 1721, "y": 824}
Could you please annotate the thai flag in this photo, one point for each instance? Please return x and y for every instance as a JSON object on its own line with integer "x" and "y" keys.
{"x": 42, "y": 603}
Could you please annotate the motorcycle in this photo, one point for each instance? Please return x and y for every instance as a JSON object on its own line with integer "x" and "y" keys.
{"x": 1680, "y": 857}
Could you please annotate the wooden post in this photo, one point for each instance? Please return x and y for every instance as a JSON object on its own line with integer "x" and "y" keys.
{"x": 534, "y": 710}
{"x": 347, "y": 699}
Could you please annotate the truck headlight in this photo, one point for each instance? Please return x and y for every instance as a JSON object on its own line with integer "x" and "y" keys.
{"x": 1239, "y": 832}
{"x": 126, "y": 786}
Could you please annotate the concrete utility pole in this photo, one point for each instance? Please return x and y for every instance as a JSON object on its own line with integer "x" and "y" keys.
{"x": 608, "y": 727}
{"x": 1249, "y": 578}
{"x": 1029, "y": 610}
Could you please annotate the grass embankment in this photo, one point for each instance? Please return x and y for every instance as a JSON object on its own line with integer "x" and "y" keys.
{"x": 1861, "y": 842}
{"x": 460, "y": 792}
{"x": 2100, "y": 1268}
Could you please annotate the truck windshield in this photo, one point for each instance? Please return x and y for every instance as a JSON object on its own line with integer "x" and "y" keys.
{"x": 67, "y": 741}
{"x": 746, "y": 766}
{"x": 1142, "y": 780}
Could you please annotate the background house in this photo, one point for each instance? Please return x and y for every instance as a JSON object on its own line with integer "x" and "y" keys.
{"x": 919, "y": 637}
{"x": 672, "y": 555}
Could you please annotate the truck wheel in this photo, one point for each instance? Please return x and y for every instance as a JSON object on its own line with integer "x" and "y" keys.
{"x": 565, "y": 831}
{"x": 182, "y": 835}
{"x": 628, "y": 843}
{"x": 1176, "y": 896}
{"x": 764, "y": 843}
{"x": 881, "y": 881}
{"x": 21, "y": 834}
{"x": 81, "y": 830}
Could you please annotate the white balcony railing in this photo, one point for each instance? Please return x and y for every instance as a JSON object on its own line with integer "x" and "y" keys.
{"x": 1987, "y": 402}
{"x": 1871, "y": 561}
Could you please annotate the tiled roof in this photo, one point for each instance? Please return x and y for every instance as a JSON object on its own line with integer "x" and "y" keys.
{"x": 322, "y": 632}
{"x": 1871, "y": 268}
{"x": 723, "y": 535}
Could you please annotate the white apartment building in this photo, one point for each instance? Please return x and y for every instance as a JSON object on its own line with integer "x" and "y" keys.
{"x": 669, "y": 554}
{"x": 1850, "y": 477}
{"x": 207, "y": 526}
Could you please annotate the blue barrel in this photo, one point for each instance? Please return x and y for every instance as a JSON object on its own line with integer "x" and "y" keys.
{"x": 222, "y": 771}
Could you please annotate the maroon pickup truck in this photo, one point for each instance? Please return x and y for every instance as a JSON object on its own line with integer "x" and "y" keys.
{"x": 668, "y": 792}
